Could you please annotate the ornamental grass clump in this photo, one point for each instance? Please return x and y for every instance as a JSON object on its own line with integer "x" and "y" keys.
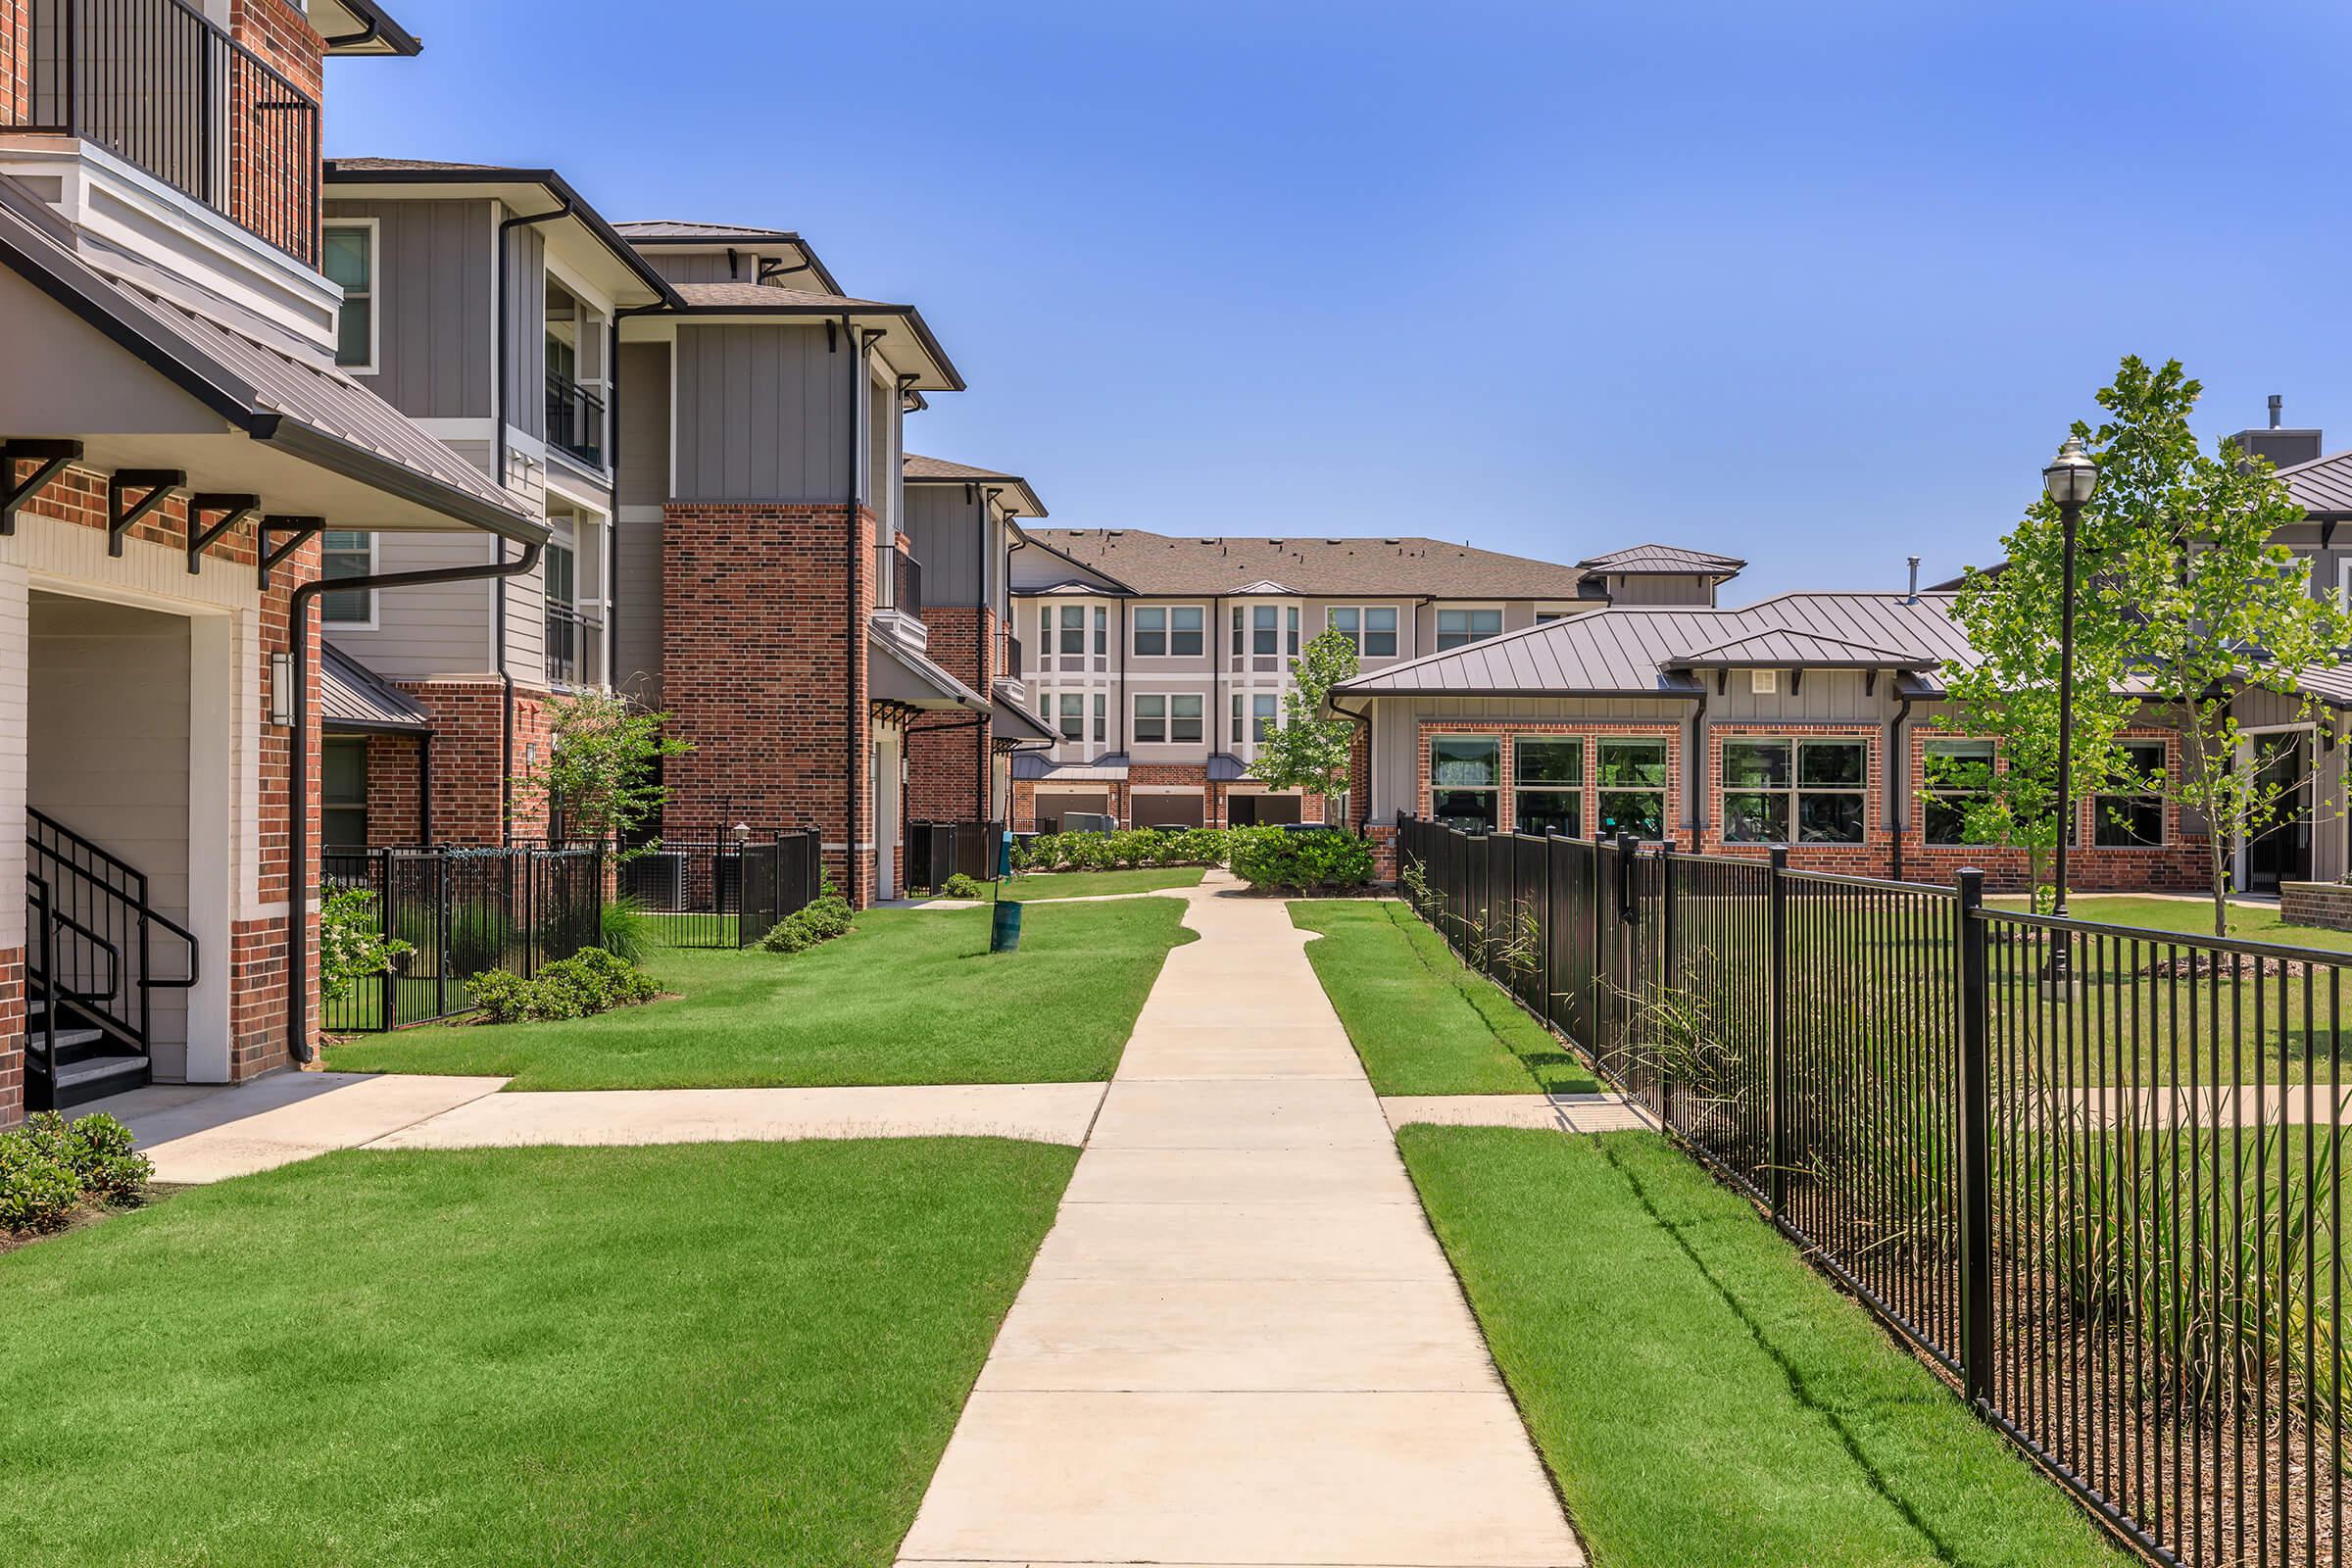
{"x": 51, "y": 1169}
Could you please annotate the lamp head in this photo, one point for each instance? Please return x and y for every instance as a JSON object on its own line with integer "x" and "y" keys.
{"x": 2072, "y": 475}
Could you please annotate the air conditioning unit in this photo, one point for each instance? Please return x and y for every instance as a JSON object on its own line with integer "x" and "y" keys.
{"x": 1763, "y": 680}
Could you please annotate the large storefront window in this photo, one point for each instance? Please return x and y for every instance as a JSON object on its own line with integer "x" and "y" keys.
{"x": 1794, "y": 792}
{"x": 1548, "y": 774}
{"x": 1465, "y": 782}
{"x": 2132, "y": 817}
{"x": 1633, "y": 788}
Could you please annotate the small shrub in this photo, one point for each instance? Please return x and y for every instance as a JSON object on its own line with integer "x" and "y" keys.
{"x": 627, "y": 930}
{"x": 589, "y": 982}
{"x": 828, "y": 917}
{"x": 352, "y": 944}
{"x": 1303, "y": 862}
{"x": 503, "y": 995}
{"x": 961, "y": 886}
{"x": 103, "y": 1157}
{"x": 38, "y": 1190}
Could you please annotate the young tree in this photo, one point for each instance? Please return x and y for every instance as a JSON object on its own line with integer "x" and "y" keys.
{"x": 2205, "y": 603}
{"x": 1309, "y": 751}
{"x": 2010, "y": 694}
{"x": 598, "y": 768}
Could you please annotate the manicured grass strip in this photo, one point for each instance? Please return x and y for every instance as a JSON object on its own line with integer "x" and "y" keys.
{"x": 708, "y": 1353}
{"x": 1094, "y": 884}
{"x": 1699, "y": 1394}
{"x": 1422, "y": 1022}
{"x": 2253, "y": 922}
{"x": 909, "y": 997}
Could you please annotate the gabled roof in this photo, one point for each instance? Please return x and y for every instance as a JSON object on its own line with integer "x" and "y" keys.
{"x": 1785, "y": 649}
{"x": 1402, "y": 567}
{"x": 769, "y": 299}
{"x": 2324, "y": 485}
{"x": 345, "y": 176}
{"x": 1267, "y": 587}
{"x": 939, "y": 470}
{"x": 1625, "y": 651}
{"x": 676, "y": 231}
{"x": 292, "y": 426}
{"x": 352, "y": 696}
{"x": 1013, "y": 722}
{"x": 1662, "y": 561}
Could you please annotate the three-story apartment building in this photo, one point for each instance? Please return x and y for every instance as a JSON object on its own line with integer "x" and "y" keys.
{"x": 177, "y": 441}
{"x": 1161, "y": 663}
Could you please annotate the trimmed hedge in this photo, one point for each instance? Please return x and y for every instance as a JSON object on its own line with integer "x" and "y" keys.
{"x": 49, "y": 1167}
{"x": 589, "y": 982}
{"x": 1302, "y": 862}
{"x": 822, "y": 921}
{"x": 1127, "y": 849}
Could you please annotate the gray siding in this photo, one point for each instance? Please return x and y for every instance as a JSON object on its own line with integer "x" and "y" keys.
{"x": 946, "y": 529}
{"x": 644, "y": 424}
{"x": 1698, "y": 591}
{"x": 1395, "y": 726}
{"x": 433, "y": 305}
{"x": 764, "y": 415}
{"x": 439, "y": 629}
{"x": 637, "y": 632}
{"x": 710, "y": 269}
{"x": 1825, "y": 696}
{"x": 526, "y": 330}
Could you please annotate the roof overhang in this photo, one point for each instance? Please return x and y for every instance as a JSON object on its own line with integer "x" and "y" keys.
{"x": 608, "y": 260}
{"x": 899, "y": 675}
{"x": 1024, "y": 725}
{"x": 354, "y": 700}
{"x": 1087, "y": 575}
{"x": 1012, "y": 492}
{"x": 746, "y": 241}
{"x": 904, "y": 339}
{"x": 161, "y": 385}
{"x": 1679, "y": 690}
{"x": 360, "y": 27}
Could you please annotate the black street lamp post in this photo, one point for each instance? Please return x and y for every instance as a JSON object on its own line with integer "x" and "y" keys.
{"x": 2068, "y": 481}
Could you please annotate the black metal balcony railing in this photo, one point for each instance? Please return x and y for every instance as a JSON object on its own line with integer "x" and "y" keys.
{"x": 897, "y": 582}
{"x": 1012, "y": 670}
{"x": 575, "y": 647}
{"x": 160, "y": 87}
{"x": 576, "y": 418}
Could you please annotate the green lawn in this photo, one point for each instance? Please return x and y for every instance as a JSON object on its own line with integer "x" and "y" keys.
{"x": 708, "y": 1353}
{"x": 1699, "y": 1394}
{"x": 1422, "y": 1022}
{"x": 1094, "y": 884}
{"x": 909, "y": 997}
{"x": 2253, "y": 922}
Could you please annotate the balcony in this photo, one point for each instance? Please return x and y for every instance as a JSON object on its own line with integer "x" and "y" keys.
{"x": 1008, "y": 667}
{"x": 157, "y": 86}
{"x": 899, "y": 596}
{"x": 575, "y": 419}
{"x": 575, "y": 647}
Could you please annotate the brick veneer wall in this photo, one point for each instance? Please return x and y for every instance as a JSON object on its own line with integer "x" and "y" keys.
{"x": 2326, "y": 904}
{"x": 16, "y": 73}
{"x": 761, "y": 674}
{"x": 1592, "y": 732}
{"x": 394, "y": 819}
{"x": 469, "y": 742}
{"x": 12, "y": 1036}
{"x": 946, "y": 778}
{"x": 256, "y": 963}
{"x": 1869, "y": 858}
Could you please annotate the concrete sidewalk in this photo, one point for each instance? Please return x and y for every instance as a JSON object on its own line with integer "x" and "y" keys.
{"x": 1240, "y": 1344}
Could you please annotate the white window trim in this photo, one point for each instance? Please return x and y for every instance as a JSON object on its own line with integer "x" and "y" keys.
{"x": 376, "y": 604}
{"x": 1437, "y": 613}
{"x": 2343, "y": 582}
{"x": 1794, "y": 790}
{"x": 1133, "y": 630}
{"x": 375, "y": 291}
{"x": 1362, "y": 629}
{"x": 1167, "y": 718}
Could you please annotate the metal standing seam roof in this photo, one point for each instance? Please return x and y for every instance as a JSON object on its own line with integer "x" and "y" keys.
{"x": 351, "y": 696}
{"x": 1629, "y": 651}
{"x": 1011, "y": 716}
{"x": 1108, "y": 768}
{"x": 1662, "y": 561}
{"x": 921, "y": 680}
{"x": 1804, "y": 649}
{"x": 256, "y": 376}
{"x": 2324, "y": 485}
{"x": 1168, "y": 563}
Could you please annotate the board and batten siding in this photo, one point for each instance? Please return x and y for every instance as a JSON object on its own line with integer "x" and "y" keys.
{"x": 526, "y": 330}
{"x": 433, "y": 305}
{"x": 944, "y": 525}
{"x": 764, "y": 414}
{"x": 439, "y": 629}
{"x": 644, "y": 488}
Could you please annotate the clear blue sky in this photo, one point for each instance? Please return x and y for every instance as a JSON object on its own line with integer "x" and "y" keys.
{"x": 1816, "y": 285}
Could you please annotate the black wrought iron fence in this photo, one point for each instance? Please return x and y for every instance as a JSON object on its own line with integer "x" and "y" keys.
{"x": 723, "y": 890}
{"x": 2091, "y": 1172}
{"x": 938, "y": 851}
{"x": 464, "y": 910}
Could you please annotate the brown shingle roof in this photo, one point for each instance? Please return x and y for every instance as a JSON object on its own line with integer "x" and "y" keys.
{"x": 919, "y": 469}
{"x": 1165, "y": 564}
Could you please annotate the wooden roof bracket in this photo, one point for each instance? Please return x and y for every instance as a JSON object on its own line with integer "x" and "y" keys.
{"x": 52, "y": 455}
{"x": 160, "y": 484}
{"x": 233, "y": 508}
{"x": 298, "y": 531}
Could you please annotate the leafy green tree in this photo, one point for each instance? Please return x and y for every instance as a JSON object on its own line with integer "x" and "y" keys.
{"x": 1311, "y": 750}
{"x": 598, "y": 766}
{"x": 2193, "y": 585}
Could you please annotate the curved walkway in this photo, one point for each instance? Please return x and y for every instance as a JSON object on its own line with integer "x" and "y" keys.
{"x": 1240, "y": 1344}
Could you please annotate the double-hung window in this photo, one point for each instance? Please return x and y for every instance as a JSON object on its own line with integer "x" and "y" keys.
{"x": 1151, "y": 632}
{"x": 1458, "y": 628}
{"x": 347, "y": 553}
{"x": 1168, "y": 631}
{"x": 2130, "y": 816}
{"x": 1073, "y": 716}
{"x": 1259, "y": 719}
{"x": 1547, "y": 777}
{"x": 1102, "y": 635}
{"x": 1371, "y": 630}
{"x": 1073, "y": 631}
{"x": 347, "y": 255}
{"x": 1465, "y": 782}
{"x": 1633, "y": 788}
{"x": 1170, "y": 719}
{"x": 1102, "y": 717}
{"x": 1956, "y": 776}
{"x": 1794, "y": 792}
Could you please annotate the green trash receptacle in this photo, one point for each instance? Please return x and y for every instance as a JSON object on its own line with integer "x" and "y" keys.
{"x": 1005, "y": 930}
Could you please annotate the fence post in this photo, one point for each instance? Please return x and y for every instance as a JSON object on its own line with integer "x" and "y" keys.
{"x": 441, "y": 936}
{"x": 1626, "y": 912}
{"x": 1976, "y": 1146}
{"x": 1777, "y": 1106}
{"x": 1666, "y": 924}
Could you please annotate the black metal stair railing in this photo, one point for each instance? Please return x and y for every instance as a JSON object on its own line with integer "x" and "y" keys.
{"x": 96, "y": 904}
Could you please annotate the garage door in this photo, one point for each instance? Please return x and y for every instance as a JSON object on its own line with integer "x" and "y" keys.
{"x": 1169, "y": 810}
{"x": 1051, "y": 806}
{"x": 1252, "y": 810}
